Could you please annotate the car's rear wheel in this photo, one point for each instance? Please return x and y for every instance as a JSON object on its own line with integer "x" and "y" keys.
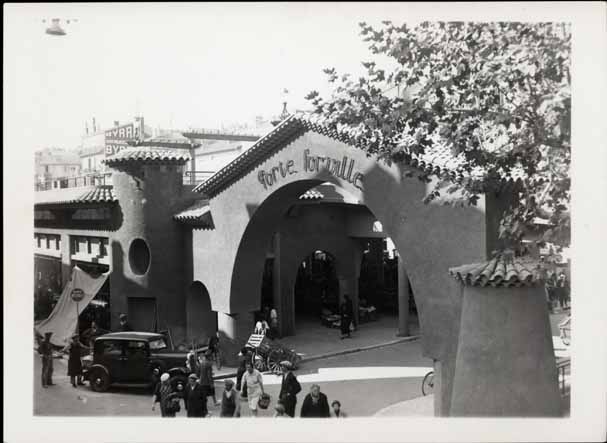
{"x": 99, "y": 379}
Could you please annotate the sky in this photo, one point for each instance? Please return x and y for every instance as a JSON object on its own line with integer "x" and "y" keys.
{"x": 198, "y": 65}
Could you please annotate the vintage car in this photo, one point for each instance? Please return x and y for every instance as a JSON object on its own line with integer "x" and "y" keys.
{"x": 133, "y": 358}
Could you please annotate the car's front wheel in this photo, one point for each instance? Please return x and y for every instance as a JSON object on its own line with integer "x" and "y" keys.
{"x": 99, "y": 379}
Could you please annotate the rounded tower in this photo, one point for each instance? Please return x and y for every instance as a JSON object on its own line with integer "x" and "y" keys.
{"x": 148, "y": 269}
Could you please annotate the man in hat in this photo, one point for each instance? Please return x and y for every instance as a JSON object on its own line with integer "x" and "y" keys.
{"x": 195, "y": 398}
{"x": 289, "y": 388}
{"x": 124, "y": 324}
{"x": 230, "y": 402}
{"x": 46, "y": 353}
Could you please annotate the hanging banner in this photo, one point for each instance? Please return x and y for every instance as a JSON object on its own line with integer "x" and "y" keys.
{"x": 76, "y": 296}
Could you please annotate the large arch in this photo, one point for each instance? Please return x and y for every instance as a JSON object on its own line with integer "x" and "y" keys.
{"x": 433, "y": 237}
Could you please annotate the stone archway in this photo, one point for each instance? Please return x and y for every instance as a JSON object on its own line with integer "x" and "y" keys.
{"x": 201, "y": 320}
{"x": 249, "y": 203}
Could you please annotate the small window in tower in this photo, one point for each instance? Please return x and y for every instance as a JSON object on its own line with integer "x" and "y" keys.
{"x": 139, "y": 256}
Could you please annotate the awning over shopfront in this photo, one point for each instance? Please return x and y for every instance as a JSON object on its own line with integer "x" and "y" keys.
{"x": 62, "y": 322}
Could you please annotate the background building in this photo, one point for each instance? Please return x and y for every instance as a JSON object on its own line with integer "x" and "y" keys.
{"x": 54, "y": 165}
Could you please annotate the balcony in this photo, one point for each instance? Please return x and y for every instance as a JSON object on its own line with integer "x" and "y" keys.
{"x": 74, "y": 182}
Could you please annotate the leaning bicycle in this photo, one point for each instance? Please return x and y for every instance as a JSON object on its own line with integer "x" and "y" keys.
{"x": 428, "y": 383}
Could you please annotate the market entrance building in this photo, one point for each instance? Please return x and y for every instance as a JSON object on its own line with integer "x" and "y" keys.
{"x": 248, "y": 210}
{"x": 195, "y": 260}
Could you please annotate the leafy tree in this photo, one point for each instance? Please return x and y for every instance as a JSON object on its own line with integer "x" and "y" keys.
{"x": 497, "y": 94}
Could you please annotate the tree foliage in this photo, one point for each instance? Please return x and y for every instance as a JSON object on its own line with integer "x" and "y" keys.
{"x": 497, "y": 94}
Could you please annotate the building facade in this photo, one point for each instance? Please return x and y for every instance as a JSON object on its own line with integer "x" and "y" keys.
{"x": 196, "y": 259}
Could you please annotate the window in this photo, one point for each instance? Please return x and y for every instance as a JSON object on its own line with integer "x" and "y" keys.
{"x": 88, "y": 246}
{"x": 111, "y": 347}
{"x": 75, "y": 245}
{"x": 139, "y": 256}
{"x": 58, "y": 243}
{"x": 102, "y": 248}
{"x": 158, "y": 344}
{"x": 48, "y": 242}
{"x": 136, "y": 349}
{"x": 39, "y": 240}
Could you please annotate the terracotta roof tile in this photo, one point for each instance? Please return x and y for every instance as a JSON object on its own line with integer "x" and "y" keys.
{"x": 437, "y": 160}
{"x": 198, "y": 214}
{"x": 148, "y": 155}
{"x": 90, "y": 194}
{"x": 501, "y": 271}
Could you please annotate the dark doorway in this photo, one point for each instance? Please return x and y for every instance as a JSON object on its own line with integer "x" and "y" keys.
{"x": 317, "y": 286}
{"x": 142, "y": 313}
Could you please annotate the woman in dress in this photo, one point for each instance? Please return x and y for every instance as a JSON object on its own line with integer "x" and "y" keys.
{"x": 164, "y": 395}
{"x": 74, "y": 364}
{"x": 254, "y": 381}
{"x": 230, "y": 401}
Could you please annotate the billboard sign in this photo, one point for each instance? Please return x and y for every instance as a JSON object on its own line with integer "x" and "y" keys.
{"x": 118, "y": 138}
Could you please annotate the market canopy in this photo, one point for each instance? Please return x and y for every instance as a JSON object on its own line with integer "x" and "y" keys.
{"x": 63, "y": 321}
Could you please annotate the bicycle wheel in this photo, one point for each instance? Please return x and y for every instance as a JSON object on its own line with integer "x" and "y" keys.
{"x": 428, "y": 383}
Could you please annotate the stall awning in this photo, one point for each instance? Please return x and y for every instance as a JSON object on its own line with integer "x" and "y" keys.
{"x": 62, "y": 322}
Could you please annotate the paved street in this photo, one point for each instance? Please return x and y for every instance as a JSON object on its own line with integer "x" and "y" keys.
{"x": 366, "y": 383}
{"x": 362, "y": 385}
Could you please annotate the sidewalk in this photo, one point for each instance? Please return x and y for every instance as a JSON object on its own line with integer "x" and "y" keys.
{"x": 314, "y": 341}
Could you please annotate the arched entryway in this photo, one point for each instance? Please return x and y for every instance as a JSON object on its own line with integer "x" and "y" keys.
{"x": 201, "y": 319}
{"x": 247, "y": 207}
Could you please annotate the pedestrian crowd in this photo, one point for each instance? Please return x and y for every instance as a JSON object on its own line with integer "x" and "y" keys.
{"x": 249, "y": 384}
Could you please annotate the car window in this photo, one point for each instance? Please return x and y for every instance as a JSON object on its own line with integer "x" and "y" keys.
{"x": 158, "y": 344}
{"x": 111, "y": 347}
{"x": 136, "y": 348}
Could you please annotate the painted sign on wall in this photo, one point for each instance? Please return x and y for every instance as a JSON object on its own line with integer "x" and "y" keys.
{"x": 118, "y": 138}
{"x": 342, "y": 168}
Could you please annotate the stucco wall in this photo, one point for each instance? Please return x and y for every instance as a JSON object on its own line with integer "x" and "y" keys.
{"x": 505, "y": 363}
{"x": 148, "y": 199}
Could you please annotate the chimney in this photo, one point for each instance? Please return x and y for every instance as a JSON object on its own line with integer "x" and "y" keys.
{"x": 94, "y": 125}
{"x": 116, "y": 123}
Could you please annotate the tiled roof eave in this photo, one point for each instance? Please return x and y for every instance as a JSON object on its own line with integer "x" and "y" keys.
{"x": 499, "y": 272}
{"x": 294, "y": 126}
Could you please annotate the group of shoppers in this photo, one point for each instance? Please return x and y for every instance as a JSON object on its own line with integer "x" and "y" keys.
{"x": 75, "y": 348}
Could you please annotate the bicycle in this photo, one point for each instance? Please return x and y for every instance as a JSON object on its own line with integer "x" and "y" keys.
{"x": 428, "y": 383}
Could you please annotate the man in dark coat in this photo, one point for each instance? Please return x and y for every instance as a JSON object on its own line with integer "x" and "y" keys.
{"x": 315, "y": 405}
{"x": 124, "y": 324}
{"x": 46, "y": 353}
{"x": 289, "y": 388}
{"x": 195, "y": 398}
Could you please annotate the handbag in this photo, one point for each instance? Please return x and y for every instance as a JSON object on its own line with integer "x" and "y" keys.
{"x": 264, "y": 401}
